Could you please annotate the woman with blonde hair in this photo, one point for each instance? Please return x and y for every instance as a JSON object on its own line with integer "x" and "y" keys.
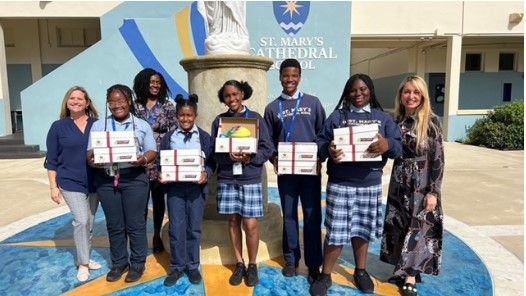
{"x": 412, "y": 235}
{"x": 68, "y": 173}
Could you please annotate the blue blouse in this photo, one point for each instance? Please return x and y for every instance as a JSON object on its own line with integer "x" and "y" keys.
{"x": 66, "y": 154}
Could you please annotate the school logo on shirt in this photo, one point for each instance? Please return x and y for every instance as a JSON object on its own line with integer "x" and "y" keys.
{"x": 301, "y": 111}
{"x": 291, "y": 15}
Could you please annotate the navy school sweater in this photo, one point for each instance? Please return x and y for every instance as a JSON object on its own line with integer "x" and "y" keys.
{"x": 310, "y": 118}
{"x": 359, "y": 174}
{"x": 252, "y": 171}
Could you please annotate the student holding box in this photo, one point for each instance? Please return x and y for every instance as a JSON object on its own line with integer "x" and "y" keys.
{"x": 123, "y": 186}
{"x": 354, "y": 190}
{"x": 186, "y": 200}
{"x": 239, "y": 191}
{"x": 293, "y": 120}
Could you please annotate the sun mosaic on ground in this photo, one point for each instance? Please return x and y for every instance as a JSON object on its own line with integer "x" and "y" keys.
{"x": 40, "y": 261}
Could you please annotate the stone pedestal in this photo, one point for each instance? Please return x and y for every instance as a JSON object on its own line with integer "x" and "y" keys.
{"x": 206, "y": 75}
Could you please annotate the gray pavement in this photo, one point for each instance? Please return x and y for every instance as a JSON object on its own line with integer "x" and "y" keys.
{"x": 483, "y": 198}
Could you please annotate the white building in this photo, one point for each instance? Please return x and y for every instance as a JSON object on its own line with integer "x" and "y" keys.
{"x": 473, "y": 52}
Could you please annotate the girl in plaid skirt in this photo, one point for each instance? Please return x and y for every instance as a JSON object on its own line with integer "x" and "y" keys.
{"x": 354, "y": 189}
{"x": 239, "y": 192}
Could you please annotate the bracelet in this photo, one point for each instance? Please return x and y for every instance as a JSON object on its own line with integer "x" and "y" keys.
{"x": 145, "y": 160}
{"x": 53, "y": 188}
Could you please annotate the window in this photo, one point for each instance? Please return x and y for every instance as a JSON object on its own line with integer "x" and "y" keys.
{"x": 506, "y": 92}
{"x": 473, "y": 62}
{"x": 506, "y": 61}
{"x": 77, "y": 37}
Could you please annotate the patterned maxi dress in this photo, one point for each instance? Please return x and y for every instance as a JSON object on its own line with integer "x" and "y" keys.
{"x": 162, "y": 115}
{"x": 412, "y": 237}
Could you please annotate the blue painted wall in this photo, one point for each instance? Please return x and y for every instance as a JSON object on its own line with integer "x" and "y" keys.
{"x": 111, "y": 61}
{"x": 483, "y": 90}
{"x": 19, "y": 78}
{"x": 459, "y": 125}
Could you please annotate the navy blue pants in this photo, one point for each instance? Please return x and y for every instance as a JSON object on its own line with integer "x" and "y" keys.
{"x": 293, "y": 188}
{"x": 186, "y": 203}
{"x": 124, "y": 208}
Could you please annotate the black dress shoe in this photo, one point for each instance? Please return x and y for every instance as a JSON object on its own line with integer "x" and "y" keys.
{"x": 134, "y": 274}
{"x": 320, "y": 286}
{"x": 363, "y": 281}
{"x": 172, "y": 279}
{"x": 194, "y": 276}
{"x": 116, "y": 273}
{"x": 289, "y": 270}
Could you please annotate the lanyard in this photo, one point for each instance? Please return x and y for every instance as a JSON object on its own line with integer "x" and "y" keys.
{"x": 288, "y": 131}
{"x": 247, "y": 111}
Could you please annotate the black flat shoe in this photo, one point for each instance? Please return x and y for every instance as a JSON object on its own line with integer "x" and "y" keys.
{"x": 172, "y": 279}
{"x": 409, "y": 290}
{"x": 363, "y": 281}
{"x": 194, "y": 276}
{"x": 398, "y": 280}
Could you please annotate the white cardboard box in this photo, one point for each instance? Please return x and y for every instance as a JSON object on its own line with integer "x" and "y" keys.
{"x": 112, "y": 139}
{"x": 359, "y": 134}
{"x": 182, "y": 157}
{"x": 286, "y": 167}
{"x": 180, "y": 173}
{"x": 117, "y": 154}
{"x": 298, "y": 151}
{"x": 357, "y": 153}
{"x": 227, "y": 145}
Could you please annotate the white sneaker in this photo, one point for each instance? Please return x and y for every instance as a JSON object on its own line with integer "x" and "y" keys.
{"x": 94, "y": 265}
{"x": 82, "y": 274}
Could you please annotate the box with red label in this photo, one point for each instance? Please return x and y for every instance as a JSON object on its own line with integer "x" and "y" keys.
{"x": 115, "y": 154}
{"x": 182, "y": 157}
{"x": 112, "y": 139}
{"x": 359, "y": 134}
{"x": 297, "y": 151}
{"x": 289, "y": 167}
{"x": 237, "y": 134}
{"x": 357, "y": 153}
{"x": 181, "y": 173}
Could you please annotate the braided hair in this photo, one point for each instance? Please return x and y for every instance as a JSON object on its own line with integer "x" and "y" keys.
{"x": 345, "y": 103}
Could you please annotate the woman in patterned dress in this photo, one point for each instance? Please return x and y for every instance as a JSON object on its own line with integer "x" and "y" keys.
{"x": 153, "y": 105}
{"x": 412, "y": 236}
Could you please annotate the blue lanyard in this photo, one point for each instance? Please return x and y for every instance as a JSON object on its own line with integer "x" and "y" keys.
{"x": 288, "y": 131}
{"x": 113, "y": 123}
{"x": 247, "y": 111}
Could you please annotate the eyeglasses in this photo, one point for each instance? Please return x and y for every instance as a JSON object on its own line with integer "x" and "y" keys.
{"x": 117, "y": 103}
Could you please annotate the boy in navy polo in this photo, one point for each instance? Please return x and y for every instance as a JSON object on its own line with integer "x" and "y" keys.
{"x": 297, "y": 117}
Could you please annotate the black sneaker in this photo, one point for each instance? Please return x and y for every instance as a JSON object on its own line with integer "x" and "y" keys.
{"x": 194, "y": 276}
{"x": 313, "y": 275}
{"x": 289, "y": 270}
{"x": 320, "y": 286}
{"x": 134, "y": 274}
{"x": 116, "y": 273}
{"x": 363, "y": 281}
{"x": 252, "y": 275}
{"x": 172, "y": 278}
{"x": 237, "y": 275}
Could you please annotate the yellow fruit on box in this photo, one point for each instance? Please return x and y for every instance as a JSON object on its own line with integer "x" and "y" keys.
{"x": 241, "y": 132}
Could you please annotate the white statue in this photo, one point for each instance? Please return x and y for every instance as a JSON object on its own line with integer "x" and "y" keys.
{"x": 227, "y": 31}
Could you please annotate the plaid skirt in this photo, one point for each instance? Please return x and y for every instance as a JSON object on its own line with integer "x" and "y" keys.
{"x": 353, "y": 212}
{"x": 245, "y": 200}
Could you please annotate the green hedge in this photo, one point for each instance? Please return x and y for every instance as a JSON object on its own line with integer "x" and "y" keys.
{"x": 502, "y": 128}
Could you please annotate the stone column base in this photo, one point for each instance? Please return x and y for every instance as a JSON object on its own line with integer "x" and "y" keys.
{"x": 216, "y": 248}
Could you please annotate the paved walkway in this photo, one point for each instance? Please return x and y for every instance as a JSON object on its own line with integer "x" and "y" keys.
{"x": 483, "y": 202}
